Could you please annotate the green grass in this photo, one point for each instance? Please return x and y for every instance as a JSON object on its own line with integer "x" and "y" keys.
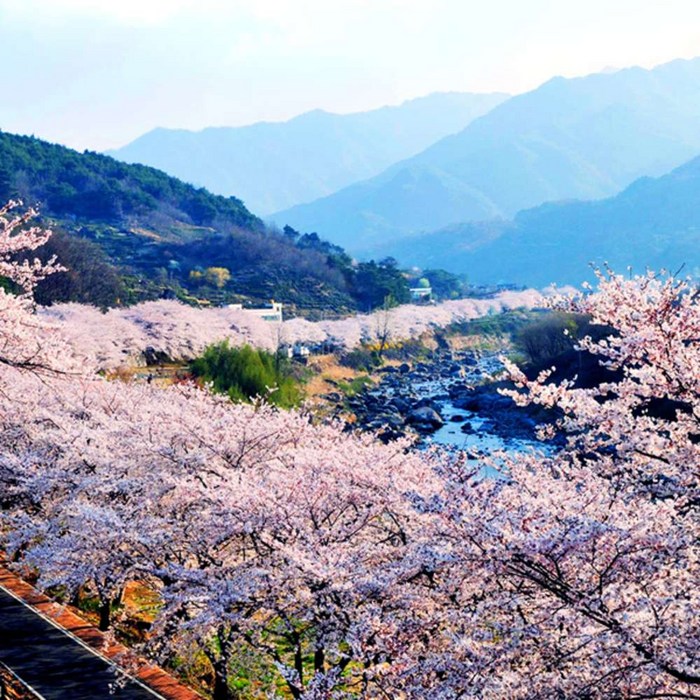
{"x": 355, "y": 386}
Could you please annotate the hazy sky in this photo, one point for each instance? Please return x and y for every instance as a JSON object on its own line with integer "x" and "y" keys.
{"x": 97, "y": 73}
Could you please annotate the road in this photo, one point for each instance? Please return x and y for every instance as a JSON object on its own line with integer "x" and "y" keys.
{"x": 54, "y": 664}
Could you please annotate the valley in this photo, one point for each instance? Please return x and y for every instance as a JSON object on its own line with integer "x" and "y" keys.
{"x": 349, "y": 351}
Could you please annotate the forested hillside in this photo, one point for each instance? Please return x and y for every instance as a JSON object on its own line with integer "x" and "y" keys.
{"x": 167, "y": 238}
{"x": 90, "y": 186}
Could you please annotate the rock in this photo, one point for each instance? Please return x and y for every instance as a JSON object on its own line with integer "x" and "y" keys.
{"x": 467, "y": 428}
{"x": 392, "y": 419}
{"x": 401, "y": 405}
{"x": 425, "y": 417}
{"x": 457, "y": 391}
{"x": 457, "y": 418}
{"x": 423, "y": 428}
{"x": 390, "y": 434}
{"x": 467, "y": 403}
{"x": 154, "y": 357}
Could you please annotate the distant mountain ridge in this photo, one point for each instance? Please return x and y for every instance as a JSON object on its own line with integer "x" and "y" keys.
{"x": 274, "y": 165}
{"x": 654, "y": 223}
{"x": 581, "y": 138}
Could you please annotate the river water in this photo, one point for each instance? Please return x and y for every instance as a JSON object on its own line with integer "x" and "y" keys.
{"x": 479, "y": 440}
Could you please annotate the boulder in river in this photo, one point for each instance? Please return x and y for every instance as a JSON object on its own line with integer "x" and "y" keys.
{"x": 425, "y": 418}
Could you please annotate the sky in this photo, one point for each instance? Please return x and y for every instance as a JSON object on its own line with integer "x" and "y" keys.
{"x": 95, "y": 74}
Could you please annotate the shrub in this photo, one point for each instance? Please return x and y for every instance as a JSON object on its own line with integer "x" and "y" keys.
{"x": 362, "y": 359}
{"x": 355, "y": 386}
{"x": 244, "y": 373}
{"x": 554, "y": 334}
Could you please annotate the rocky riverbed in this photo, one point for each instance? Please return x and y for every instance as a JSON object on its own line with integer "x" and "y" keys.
{"x": 449, "y": 399}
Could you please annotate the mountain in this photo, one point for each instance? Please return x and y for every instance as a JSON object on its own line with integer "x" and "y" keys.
{"x": 70, "y": 185}
{"x": 162, "y": 235}
{"x": 272, "y": 166}
{"x": 654, "y": 223}
{"x": 583, "y": 138}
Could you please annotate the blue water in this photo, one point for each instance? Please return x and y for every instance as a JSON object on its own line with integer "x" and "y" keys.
{"x": 478, "y": 442}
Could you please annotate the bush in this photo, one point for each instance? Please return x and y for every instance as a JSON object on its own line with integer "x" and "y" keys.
{"x": 355, "y": 386}
{"x": 554, "y": 334}
{"x": 244, "y": 373}
{"x": 361, "y": 359}
{"x": 546, "y": 338}
{"x": 409, "y": 349}
{"x": 501, "y": 325}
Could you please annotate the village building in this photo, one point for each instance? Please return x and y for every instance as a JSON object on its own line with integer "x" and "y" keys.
{"x": 273, "y": 312}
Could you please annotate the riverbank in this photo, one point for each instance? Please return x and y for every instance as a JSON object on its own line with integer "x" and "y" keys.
{"x": 450, "y": 398}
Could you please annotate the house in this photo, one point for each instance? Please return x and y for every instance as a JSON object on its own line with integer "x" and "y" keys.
{"x": 273, "y": 312}
{"x": 296, "y": 350}
{"x": 421, "y": 293}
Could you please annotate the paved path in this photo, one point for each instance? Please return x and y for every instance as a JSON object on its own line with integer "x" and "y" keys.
{"x": 49, "y": 648}
{"x": 53, "y": 664}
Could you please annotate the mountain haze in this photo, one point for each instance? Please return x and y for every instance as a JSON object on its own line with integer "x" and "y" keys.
{"x": 654, "y": 223}
{"x": 581, "y": 138}
{"x": 271, "y": 166}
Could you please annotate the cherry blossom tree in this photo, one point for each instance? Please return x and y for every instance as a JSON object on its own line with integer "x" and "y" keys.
{"x": 26, "y": 341}
{"x": 258, "y": 527}
{"x": 587, "y": 559}
{"x": 304, "y": 555}
{"x": 360, "y": 569}
{"x": 120, "y": 337}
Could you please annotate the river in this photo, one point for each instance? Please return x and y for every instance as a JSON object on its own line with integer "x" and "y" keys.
{"x": 452, "y": 395}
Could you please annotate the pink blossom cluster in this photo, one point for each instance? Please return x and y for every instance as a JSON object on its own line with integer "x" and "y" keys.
{"x": 240, "y": 516}
{"x": 365, "y": 570}
{"x": 120, "y": 336}
{"x": 26, "y": 340}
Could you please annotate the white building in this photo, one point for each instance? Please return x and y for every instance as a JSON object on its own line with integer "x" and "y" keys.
{"x": 421, "y": 293}
{"x": 266, "y": 313}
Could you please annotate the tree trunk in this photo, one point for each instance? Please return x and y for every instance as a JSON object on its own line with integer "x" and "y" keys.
{"x": 221, "y": 689}
{"x": 221, "y": 666}
{"x": 299, "y": 664}
{"x": 119, "y": 598}
{"x": 319, "y": 660}
{"x": 77, "y": 597}
{"x": 105, "y": 615}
